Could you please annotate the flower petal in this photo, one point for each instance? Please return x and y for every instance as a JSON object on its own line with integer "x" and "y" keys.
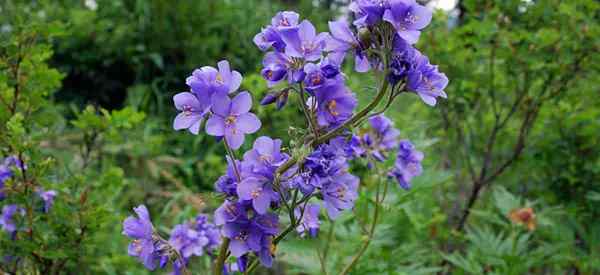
{"x": 248, "y": 123}
{"x": 241, "y": 103}
{"x": 215, "y": 126}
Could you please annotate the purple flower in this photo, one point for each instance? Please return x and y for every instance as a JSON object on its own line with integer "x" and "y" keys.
{"x": 264, "y": 158}
{"x": 278, "y": 66}
{"x": 210, "y": 231}
{"x": 408, "y": 18}
{"x": 7, "y": 220}
{"x": 343, "y": 40}
{"x": 206, "y": 81}
{"x": 404, "y": 60}
{"x": 47, "y": 197}
{"x": 245, "y": 237}
{"x": 229, "y": 212}
{"x": 408, "y": 164}
{"x": 335, "y": 104}
{"x": 259, "y": 192}
{"x": 427, "y": 81}
{"x": 147, "y": 248}
{"x": 303, "y": 41}
{"x": 232, "y": 119}
{"x": 192, "y": 112}
{"x": 381, "y": 138}
{"x": 339, "y": 193}
{"x": 368, "y": 12}
{"x": 227, "y": 184}
{"x": 268, "y": 223}
{"x": 270, "y": 37}
{"x": 310, "y": 219}
{"x": 325, "y": 161}
{"x": 187, "y": 240}
{"x": 6, "y": 171}
{"x": 318, "y": 75}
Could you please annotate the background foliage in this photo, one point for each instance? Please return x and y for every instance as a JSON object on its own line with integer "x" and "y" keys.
{"x": 519, "y": 129}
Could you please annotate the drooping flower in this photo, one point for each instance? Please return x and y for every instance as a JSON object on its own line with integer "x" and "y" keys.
{"x": 368, "y": 12}
{"x": 339, "y": 193}
{"x": 192, "y": 112}
{"x": 335, "y": 104}
{"x": 408, "y": 18}
{"x": 206, "y": 81}
{"x": 145, "y": 246}
{"x": 303, "y": 41}
{"x": 232, "y": 119}
{"x": 47, "y": 197}
{"x": 309, "y": 219}
{"x": 408, "y": 164}
{"x": 343, "y": 40}
{"x": 7, "y": 219}
{"x": 427, "y": 81}
{"x": 259, "y": 192}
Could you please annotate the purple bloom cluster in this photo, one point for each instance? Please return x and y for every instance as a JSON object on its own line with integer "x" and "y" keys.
{"x": 374, "y": 142}
{"x": 408, "y": 164}
{"x": 313, "y": 60}
{"x": 194, "y": 238}
{"x": 299, "y": 60}
{"x": 7, "y": 219}
{"x": 245, "y": 215}
{"x": 6, "y": 171}
{"x": 326, "y": 171}
{"x": 407, "y": 18}
{"x": 209, "y": 97}
{"x": 47, "y": 197}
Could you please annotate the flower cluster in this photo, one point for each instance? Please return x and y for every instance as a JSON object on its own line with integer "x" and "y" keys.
{"x": 189, "y": 239}
{"x": 299, "y": 55}
{"x": 209, "y": 97}
{"x": 10, "y": 211}
{"x": 267, "y": 180}
{"x": 194, "y": 238}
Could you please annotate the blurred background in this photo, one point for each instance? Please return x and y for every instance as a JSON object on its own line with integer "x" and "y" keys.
{"x": 511, "y": 181}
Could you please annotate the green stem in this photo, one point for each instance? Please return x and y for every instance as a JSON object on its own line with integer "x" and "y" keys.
{"x": 378, "y": 200}
{"x": 222, "y": 257}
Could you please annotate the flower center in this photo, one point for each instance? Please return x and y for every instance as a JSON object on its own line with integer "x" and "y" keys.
{"x": 341, "y": 192}
{"x": 410, "y": 18}
{"x": 308, "y": 47}
{"x": 230, "y": 208}
{"x": 284, "y": 22}
{"x": 331, "y": 107}
{"x": 187, "y": 110}
{"x": 316, "y": 79}
{"x": 243, "y": 236}
{"x": 230, "y": 120}
{"x": 265, "y": 158}
{"x": 256, "y": 192}
{"x": 219, "y": 79}
{"x": 137, "y": 244}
